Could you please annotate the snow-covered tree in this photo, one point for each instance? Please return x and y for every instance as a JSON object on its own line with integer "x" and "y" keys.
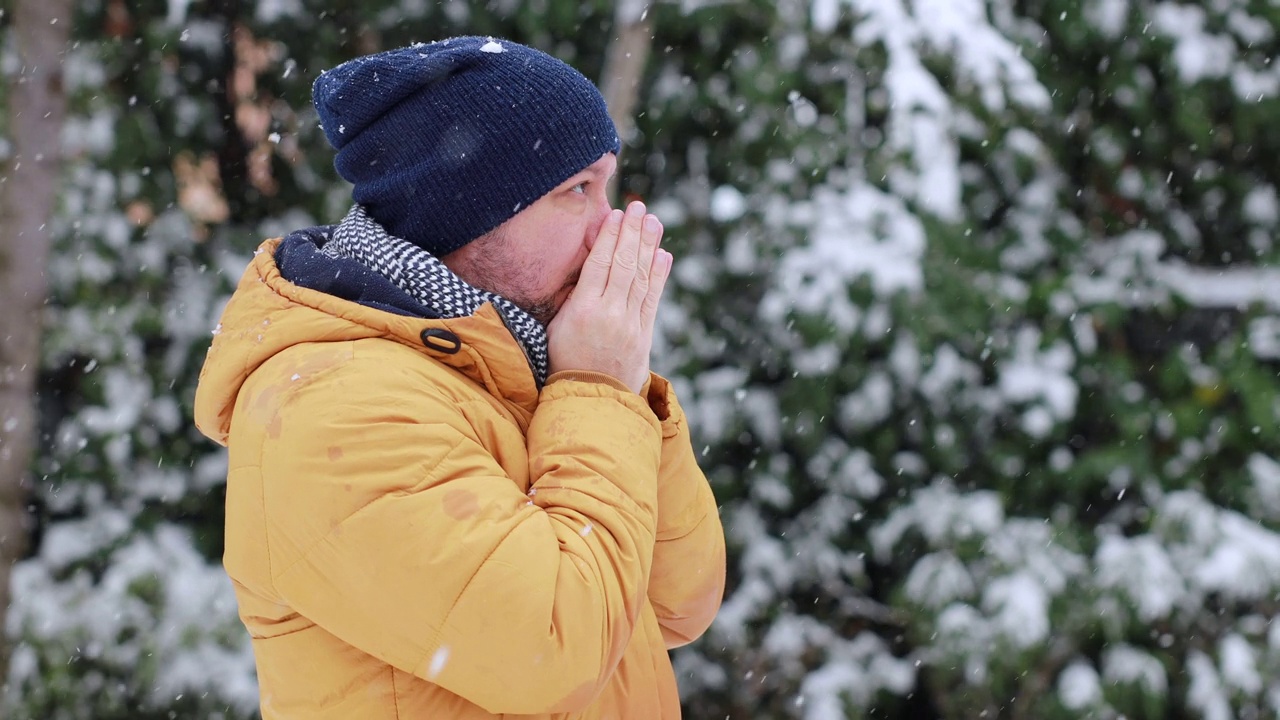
{"x": 976, "y": 330}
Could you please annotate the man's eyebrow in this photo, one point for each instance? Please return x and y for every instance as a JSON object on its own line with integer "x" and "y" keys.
{"x": 591, "y": 172}
{"x": 586, "y": 174}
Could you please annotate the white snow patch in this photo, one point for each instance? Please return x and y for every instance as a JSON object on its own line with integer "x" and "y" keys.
{"x": 790, "y": 635}
{"x": 1261, "y": 205}
{"x": 126, "y": 395}
{"x": 1265, "y": 472}
{"x": 1020, "y": 609}
{"x": 904, "y": 360}
{"x": 186, "y": 624}
{"x": 803, "y": 110}
{"x": 1079, "y": 687}
{"x": 771, "y": 491}
{"x": 1236, "y": 287}
{"x": 1264, "y": 337}
{"x": 1219, "y": 551}
{"x": 824, "y": 14}
{"x": 816, "y": 360}
{"x": 869, "y": 405}
{"x": 711, "y": 406}
{"x": 939, "y": 579}
{"x": 727, "y": 204}
{"x": 1110, "y": 17}
{"x": 1239, "y": 663}
{"x": 1197, "y": 54}
{"x": 1245, "y": 563}
{"x": 493, "y": 47}
{"x": 768, "y": 558}
{"x": 854, "y": 233}
{"x": 68, "y": 541}
{"x": 93, "y": 134}
{"x": 1253, "y": 85}
{"x": 1251, "y": 29}
{"x": 177, "y": 12}
{"x": 964, "y": 635}
{"x": 204, "y": 35}
{"x": 750, "y": 601}
{"x": 855, "y": 671}
{"x": 1129, "y": 271}
{"x": 856, "y": 475}
{"x": 948, "y": 377}
{"x": 1206, "y": 693}
{"x": 269, "y": 11}
{"x": 1029, "y": 546}
{"x": 922, "y": 123}
{"x": 1124, "y": 663}
{"x": 941, "y": 515}
{"x": 1042, "y": 377}
{"x": 631, "y": 11}
{"x": 1139, "y": 569}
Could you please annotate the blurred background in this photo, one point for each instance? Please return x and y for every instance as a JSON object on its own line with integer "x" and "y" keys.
{"x": 976, "y": 315}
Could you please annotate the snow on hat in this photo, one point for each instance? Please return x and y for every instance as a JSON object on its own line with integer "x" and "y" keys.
{"x": 446, "y": 141}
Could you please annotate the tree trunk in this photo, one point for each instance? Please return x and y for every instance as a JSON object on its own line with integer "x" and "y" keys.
{"x": 233, "y": 151}
{"x": 28, "y": 187}
{"x": 624, "y": 67}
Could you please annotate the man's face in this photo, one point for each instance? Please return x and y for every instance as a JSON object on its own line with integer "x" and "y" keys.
{"x": 534, "y": 258}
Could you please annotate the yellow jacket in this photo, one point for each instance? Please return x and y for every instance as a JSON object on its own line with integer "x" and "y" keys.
{"x": 419, "y": 532}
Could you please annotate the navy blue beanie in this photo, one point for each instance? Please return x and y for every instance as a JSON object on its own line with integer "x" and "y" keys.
{"x": 446, "y": 141}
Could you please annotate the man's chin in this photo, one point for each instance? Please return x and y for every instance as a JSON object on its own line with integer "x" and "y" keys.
{"x": 547, "y": 310}
{"x": 544, "y": 312}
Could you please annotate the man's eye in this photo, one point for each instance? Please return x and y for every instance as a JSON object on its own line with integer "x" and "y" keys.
{"x": 580, "y": 188}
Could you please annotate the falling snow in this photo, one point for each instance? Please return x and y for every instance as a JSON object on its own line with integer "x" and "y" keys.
{"x": 909, "y": 343}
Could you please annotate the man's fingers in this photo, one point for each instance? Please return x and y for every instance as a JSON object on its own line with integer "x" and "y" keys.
{"x": 657, "y": 283}
{"x": 650, "y": 236}
{"x": 595, "y": 271}
{"x": 626, "y": 253}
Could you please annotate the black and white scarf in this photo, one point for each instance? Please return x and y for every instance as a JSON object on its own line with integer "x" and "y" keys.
{"x": 422, "y": 275}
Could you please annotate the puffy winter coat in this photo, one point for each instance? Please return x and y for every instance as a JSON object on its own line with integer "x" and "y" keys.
{"x": 415, "y": 530}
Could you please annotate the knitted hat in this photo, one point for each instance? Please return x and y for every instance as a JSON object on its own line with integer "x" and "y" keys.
{"x": 446, "y": 141}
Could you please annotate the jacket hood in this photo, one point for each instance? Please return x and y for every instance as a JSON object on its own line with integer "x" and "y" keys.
{"x": 300, "y": 262}
{"x": 291, "y": 294}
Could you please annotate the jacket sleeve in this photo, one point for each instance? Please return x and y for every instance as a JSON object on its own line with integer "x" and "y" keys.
{"x": 392, "y": 527}
{"x": 686, "y": 585}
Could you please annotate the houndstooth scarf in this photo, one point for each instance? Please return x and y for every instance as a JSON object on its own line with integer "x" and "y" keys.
{"x": 422, "y": 275}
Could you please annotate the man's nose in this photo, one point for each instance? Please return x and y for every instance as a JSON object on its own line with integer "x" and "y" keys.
{"x": 602, "y": 211}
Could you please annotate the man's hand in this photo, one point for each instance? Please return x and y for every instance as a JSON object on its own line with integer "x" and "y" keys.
{"x": 606, "y": 325}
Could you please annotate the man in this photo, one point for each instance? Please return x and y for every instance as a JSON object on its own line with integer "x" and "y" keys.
{"x": 455, "y": 489}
